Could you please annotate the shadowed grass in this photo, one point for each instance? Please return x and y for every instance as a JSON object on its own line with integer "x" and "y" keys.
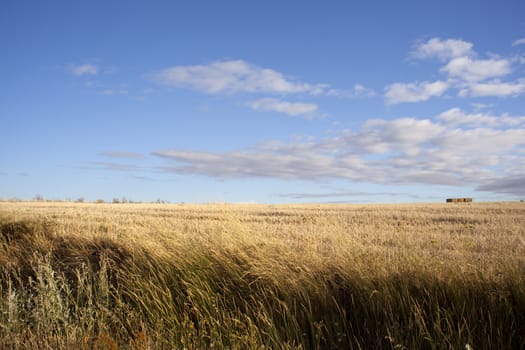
{"x": 258, "y": 277}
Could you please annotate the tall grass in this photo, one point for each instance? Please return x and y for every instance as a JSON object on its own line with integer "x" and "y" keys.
{"x": 128, "y": 276}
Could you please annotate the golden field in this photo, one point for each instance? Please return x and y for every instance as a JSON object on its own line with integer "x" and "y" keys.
{"x": 174, "y": 276}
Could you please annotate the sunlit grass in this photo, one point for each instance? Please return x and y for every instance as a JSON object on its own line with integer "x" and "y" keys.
{"x": 133, "y": 276}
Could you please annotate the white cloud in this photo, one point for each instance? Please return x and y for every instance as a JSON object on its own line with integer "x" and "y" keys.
{"x": 482, "y": 142}
{"x": 473, "y": 70}
{"x": 454, "y": 148}
{"x": 83, "y": 69}
{"x": 414, "y": 92}
{"x": 111, "y": 92}
{"x": 362, "y": 90}
{"x": 479, "y": 106}
{"x": 235, "y": 76}
{"x": 497, "y": 88}
{"x": 470, "y": 75}
{"x": 455, "y": 117}
{"x": 519, "y": 42}
{"x": 253, "y": 163}
{"x": 110, "y": 166}
{"x": 122, "y": 154}
{"x": 358, "y": 91}
{"x": 443, "y": 49}
{"x": 290, "y": 108}
{"x": 393, "y": 136}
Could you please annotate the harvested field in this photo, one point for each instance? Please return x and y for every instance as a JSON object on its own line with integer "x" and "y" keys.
{"x": 136, "y": 276}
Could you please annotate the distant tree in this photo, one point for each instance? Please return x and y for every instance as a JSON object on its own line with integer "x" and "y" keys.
{"x": 99, "y": 201}
{"x": 38, "y": 198}
{"x": 124, "y": 200}
{"x": 80, "y": 200}
{"x": 116, "y": 200}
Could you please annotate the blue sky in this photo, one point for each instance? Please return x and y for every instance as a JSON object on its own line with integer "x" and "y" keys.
{"x": 272, "y": 102}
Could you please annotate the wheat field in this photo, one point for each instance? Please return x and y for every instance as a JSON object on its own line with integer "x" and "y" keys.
{"x": 224, "y": 276}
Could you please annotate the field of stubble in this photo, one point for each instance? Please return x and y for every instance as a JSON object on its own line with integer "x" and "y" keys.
{"x": 137, "y": 276}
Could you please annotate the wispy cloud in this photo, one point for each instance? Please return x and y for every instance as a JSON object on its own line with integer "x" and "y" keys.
{"x": 494, "y": 88}
{"x": 110, "y": 166}
{"x": 456, "y": 117}
{"x": 453, "y": 148}
{"x": 143, "y": 178}
{"x": 236, "y": 76}
{"x": 83, "y": 69}
{"x": 470, "y": 75}
{"x": 519, "y": 42}
{"x": 362, "y": 91}
{"x": 480, "y": 106}
{"x": 112, "y": 92}
{"x": 357, "y": 91}
{"x": 121, "y": 154}
{"x": 336, "y": 195}
{"x": 414, "y": 92}
{"x": 291, "y": 108}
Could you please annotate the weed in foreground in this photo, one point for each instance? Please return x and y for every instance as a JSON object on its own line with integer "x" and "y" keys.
{"x": 169, "y": 277}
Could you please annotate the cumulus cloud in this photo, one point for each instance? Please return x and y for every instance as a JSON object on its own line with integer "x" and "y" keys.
{"x": 465, "y": 71}
{"x": 290, "y": 108}
{"x": 405, "y": 135}
{"x": 83, "y": 69}
{"x": 235, "y": 76}
{"x": 442, "y": 49}
{"x": 453, "y": 148}
{"x": 414, "y": 92}
{"x": 456, "y": 117}
{"x": 473, "y": 70}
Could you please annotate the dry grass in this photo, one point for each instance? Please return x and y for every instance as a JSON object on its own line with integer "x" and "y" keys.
{"x": 130, "y": 276}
